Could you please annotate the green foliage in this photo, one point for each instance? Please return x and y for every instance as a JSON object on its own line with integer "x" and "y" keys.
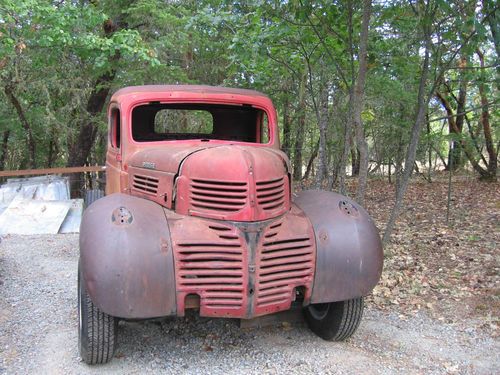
{"x": 55, "y": 55}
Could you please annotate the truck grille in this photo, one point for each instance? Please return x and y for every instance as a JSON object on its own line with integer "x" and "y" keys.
{"x": 271, "y": 194}
{"x": 284, "y": 263}
{"x": 145, "y": 184}
{"x": 213, "y": 270}
{"x": 218, "y": 195}
{"x": 242, "y": 270}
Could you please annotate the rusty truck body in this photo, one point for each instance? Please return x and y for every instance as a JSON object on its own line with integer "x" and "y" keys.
{"x": 199, "y": 213}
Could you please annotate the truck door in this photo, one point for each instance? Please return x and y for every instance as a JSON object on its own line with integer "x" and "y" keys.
{"x": 114, "y": 154}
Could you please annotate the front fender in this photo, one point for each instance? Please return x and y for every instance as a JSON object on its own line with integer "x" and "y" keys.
{"x": 126, "y": 257}
{"x": 349, "y": 250}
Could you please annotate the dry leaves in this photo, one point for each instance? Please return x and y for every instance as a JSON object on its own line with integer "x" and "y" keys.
{"x": 452, "y": 271}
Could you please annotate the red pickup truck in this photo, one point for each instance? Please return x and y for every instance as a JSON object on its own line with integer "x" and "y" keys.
{"x": 199, "y": 213}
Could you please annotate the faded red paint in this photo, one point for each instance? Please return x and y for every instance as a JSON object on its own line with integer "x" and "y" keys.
{"x": 173, "y": 151}
{"x": 238, "y": 273}
{"x": 216, "y": 161}
{"x": 239, "y": 183}
{"x": 210, "y": 223}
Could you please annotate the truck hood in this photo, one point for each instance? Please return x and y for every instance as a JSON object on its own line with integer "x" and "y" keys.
{"x": 216, "y": 181}
{"x": 168, "y": 159}
{"x": 164, "y": 159}
{"x": 234, "y": 182}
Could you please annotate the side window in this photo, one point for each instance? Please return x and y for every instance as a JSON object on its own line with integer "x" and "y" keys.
{"x": 264, "y": 128}
{"x": 114, "y": 133}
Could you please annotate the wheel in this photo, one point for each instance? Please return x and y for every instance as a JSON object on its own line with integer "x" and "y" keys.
{"x": 96, "y": 329}
{"x": 91, "y": 196}
{"x": 335, "y": 321}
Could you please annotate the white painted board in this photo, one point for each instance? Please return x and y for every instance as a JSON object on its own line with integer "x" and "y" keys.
{"x": 33, "y": 217}
{"x": 71, "y": 223}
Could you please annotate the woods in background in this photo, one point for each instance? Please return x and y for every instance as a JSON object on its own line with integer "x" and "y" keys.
{"x": 361, "y": 87}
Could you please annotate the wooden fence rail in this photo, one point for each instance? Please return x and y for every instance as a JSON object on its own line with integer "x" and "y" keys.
{"x": 31, "y": 172}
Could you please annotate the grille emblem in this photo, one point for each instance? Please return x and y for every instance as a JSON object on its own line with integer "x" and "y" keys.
{"x": 148, "y": 165}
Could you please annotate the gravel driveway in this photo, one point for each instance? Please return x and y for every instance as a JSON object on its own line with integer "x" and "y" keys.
{"x": 38, "y": 333}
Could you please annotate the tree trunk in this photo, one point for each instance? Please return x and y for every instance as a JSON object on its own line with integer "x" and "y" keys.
{"x": 354, "y": 160}
{"x": 452, "y": 124}
{"x": 455, "y": 124}
{"x": 454, "y": 150}
{"x": 473, "y": 137}
{"x": 488, "y": 174}
{"x": 389, "y": 173}
{"x": 359, "y": 90}
{"x": 346, "y": 150}
{"x": 485, "y": 122}
{"x": 301, "y": 127}
{"x": 461, "y": 101}
{"x": 5, "y": 149}
{"x": 53, "y": 148}
{"x": 50, "y": 154}
{"x": 286, "y": 143}
{"x": 429, "y": 148}
{"x": 493, "y": 14}
{"x": 348, "y": 124}
{"x": 30, "y": 141}
{"x": 323, "y": 125}
{"x": 79, "y": 148}
{"x": 422, "y": 103}
{"x": 398, "y": 162}
{"x": 286, "y": 126}
{"x": 310, "y": 163}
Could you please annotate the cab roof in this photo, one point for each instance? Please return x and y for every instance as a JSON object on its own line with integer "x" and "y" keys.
{"x": 189, "y": 92}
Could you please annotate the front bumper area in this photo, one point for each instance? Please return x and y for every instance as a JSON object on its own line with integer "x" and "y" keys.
{"x": 242, "y": 270}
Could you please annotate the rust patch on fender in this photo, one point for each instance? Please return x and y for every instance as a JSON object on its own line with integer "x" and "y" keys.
{"x": 121, "y": 216}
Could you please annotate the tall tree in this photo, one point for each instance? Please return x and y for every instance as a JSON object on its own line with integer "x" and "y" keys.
{"x": 79, "y": 148}
{"x": 426, "y": 12}
{"x": 357, "y": 105}
{"x": 301, "y": 128}
{"x": 430, "y": 18}
{"x": 491, "y": 172}
{"x": 322, "y": 118}
{"x": 30, "y": 141}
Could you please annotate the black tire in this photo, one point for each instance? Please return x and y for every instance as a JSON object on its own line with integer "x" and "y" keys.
{"x": 91, "y": 196}
{"x": 96, "y": 330}
{"x": 335, "y": 321}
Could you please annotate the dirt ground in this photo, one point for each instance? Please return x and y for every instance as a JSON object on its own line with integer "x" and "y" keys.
{"x": 436, "y": 309}
{"x": 449, "y": 269}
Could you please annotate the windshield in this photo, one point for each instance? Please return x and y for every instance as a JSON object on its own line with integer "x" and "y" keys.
{"x": 162, "y": 122}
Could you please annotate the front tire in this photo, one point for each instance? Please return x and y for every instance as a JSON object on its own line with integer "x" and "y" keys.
{"x": 96, "y": 329}
{"x": 335, "y": 321}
